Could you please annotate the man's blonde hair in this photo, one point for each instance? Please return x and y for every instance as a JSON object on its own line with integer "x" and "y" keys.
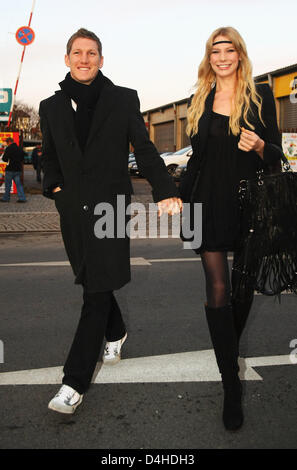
{"x": 83, "y": 33}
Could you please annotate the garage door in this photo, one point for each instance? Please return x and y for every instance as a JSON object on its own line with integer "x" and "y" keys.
{"x": 164, "y": 137}
{"x": 288, "y": 115}
{"x": 185, "y": 139}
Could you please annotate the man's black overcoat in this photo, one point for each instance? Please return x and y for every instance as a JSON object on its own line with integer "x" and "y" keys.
{"x": 98, "y": 174}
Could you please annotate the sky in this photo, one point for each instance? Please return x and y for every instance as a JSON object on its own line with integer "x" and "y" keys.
{"x": 152, "y": 46}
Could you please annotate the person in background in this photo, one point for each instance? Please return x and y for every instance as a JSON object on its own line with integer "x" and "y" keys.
{"x": 15, "y": 157}
{"x": 36, "y": 161}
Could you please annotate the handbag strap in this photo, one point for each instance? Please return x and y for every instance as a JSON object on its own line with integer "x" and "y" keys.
{"x": 260, "y": 173}
{"x": 287, "y": 166}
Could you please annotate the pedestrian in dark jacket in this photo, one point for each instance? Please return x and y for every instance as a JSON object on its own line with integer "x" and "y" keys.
{"x": 36, "y": 161}
{"x": 86, "y": 131}
{"x": 15, "y": 157}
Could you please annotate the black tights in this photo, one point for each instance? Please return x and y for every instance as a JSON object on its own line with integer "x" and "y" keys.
{"x": 217, "y": 277}
{"x": 219, "y": 287}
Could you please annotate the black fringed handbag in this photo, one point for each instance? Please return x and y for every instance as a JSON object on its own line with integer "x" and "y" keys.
{"x": 266, "y": 259}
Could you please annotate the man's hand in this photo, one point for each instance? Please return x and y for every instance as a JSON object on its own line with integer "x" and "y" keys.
{"x": 249, "y": 140}
{"x": 55, "y": 190}
{"x": 171, "y": 206}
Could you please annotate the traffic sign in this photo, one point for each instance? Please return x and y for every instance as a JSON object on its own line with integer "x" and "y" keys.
{"x": 25, "y": 35}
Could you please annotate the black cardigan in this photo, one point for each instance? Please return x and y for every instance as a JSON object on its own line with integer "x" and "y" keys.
{"x": 269, "y": 133}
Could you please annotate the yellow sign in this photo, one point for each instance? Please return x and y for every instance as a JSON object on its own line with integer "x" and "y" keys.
{"x": 285, "y": 85}
{"x": 4, "y": 136}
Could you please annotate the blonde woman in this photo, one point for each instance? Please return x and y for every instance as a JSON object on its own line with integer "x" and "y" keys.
{"x": 233, "y": 130}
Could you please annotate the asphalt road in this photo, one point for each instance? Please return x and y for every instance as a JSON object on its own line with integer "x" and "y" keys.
{"x": 163, "y": 310}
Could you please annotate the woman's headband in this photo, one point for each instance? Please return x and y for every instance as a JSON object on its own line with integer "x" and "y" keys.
{"x": 220, "y": 42}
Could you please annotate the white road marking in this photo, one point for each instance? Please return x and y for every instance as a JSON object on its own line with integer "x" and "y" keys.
{"x": 196, "y": 366}
{"x": 134, "y": 262}
{"x": 169, "y": 260}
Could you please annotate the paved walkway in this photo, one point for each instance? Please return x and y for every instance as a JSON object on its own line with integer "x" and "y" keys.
{"x": 39, "y": 214}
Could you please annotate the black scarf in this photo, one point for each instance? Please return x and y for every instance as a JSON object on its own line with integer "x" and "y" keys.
{"x": 86, "y": 97}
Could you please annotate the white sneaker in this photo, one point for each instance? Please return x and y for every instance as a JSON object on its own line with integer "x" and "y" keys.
{"x": 66, "y": 400}
{"x": 112, "y": 351}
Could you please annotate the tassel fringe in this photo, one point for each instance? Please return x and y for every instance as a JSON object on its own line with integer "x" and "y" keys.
{"x": 267, "y": 251}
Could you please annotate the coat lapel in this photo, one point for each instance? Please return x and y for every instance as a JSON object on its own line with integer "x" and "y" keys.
{"x": 205, "y": 121}
{"x": 66, "y": 118}
{"x": 66, "y": 113}
{"x": 103, "y": 108}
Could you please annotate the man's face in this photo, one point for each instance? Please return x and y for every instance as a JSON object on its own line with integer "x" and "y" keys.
{"x": 84, "y": 60}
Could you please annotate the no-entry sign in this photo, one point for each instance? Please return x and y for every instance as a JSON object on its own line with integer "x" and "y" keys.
{"x": 25, "y": 35}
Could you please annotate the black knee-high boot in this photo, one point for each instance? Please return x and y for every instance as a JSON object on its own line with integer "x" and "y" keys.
{"x": 240, "y": 306}
{"x": 225, "y": 343}
{"x": 241, "y": 310}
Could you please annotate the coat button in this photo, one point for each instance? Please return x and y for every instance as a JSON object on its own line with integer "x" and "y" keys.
{"x": 86, "y": 208}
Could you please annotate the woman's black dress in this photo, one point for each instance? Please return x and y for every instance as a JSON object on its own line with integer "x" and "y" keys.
{"x": 217, "y": 188}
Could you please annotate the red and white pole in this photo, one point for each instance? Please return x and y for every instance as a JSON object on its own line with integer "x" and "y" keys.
{"x": 31, "y": 14}
{"x": 20, "y": 69}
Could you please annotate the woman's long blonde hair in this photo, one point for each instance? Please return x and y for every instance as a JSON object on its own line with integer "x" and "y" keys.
{"x": 245, "y": 88}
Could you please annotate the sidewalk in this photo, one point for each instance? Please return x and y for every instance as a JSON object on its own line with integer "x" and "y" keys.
{"x": 39, "y": 213}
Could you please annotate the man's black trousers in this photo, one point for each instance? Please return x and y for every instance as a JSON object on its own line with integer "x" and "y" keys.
{"x": 100, "y": 316}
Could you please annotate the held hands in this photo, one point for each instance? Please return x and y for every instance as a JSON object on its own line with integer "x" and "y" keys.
{"x": 170, "y": 206}
{"x": 249, "y": 140}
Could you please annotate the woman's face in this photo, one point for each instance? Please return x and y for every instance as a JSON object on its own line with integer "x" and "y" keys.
{"x": 224, "y": 58}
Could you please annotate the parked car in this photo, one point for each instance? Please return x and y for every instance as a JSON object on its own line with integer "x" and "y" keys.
{"x": 165, "y": 154}
{"x": 177, "y": 158}
{"x": 131, "y": 157}
{"x": 132, "y": 165}
{"x": 28, "y": 155}
{"x": 28, "y": 147}
{"x": 179, "y": 172}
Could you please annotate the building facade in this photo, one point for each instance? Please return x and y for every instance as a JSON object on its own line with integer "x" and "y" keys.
{"x": 167, "y": 126}
{"x": 283, "y": 83}
{"x": 167, "y": 123}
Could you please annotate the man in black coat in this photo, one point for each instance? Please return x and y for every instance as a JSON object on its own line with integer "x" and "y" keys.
{"x": 87, "y": 127}
{"x": 13, "y": 171}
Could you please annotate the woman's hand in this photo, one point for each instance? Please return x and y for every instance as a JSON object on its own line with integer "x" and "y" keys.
{"x": 171, "y": 206}
{"x": 249, "y": 140}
